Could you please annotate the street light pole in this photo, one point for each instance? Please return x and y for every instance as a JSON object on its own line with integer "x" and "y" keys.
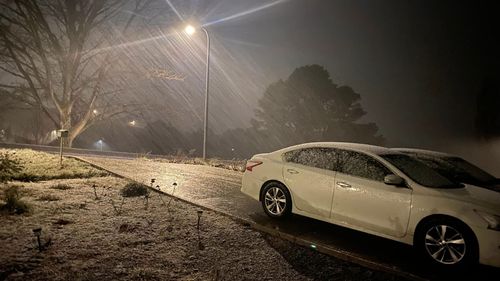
{"x": 207, "y": 76}
{"x": 190, "y": 30}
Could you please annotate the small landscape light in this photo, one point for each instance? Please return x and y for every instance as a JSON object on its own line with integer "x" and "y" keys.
{"x": 200, "y": 212}
{"x": 38, "y": 233}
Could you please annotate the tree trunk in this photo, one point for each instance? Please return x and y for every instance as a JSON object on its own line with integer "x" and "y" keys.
{"x": 69, "y": 140}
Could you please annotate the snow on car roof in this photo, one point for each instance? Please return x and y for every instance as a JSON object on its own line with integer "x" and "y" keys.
{"x": 345, "y": 145}
{"x": 422, "y": 152}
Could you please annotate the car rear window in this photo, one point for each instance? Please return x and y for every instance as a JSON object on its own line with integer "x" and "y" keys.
{"x": 317, "y": 157}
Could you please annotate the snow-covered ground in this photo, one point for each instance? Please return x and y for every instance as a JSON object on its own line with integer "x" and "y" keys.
{"x": 92, "y": 240}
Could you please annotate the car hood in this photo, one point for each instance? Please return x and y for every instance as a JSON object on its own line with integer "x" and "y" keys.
{"x": 476, "y": 195}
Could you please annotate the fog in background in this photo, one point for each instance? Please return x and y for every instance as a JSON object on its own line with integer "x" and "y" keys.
{"x": 421, "y": 68}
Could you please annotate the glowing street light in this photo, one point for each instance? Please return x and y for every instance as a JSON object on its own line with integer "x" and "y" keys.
{"x": 95, "y": 111}
{"x": 132, "y": 123}
{"x": 100, "y": 144}
{"x": 190, "y": 30}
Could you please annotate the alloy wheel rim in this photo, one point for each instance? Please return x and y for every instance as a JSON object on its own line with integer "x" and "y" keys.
{"x": 445, "y": 244}
{"x": 275, "y": 200}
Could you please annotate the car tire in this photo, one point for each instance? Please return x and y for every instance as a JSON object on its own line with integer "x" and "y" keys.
{"x": 276, "y": 200}
{"x": 447, "y": 243}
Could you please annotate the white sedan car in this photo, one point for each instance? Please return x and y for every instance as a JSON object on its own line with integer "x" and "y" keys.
{"x": 382, "y": 192}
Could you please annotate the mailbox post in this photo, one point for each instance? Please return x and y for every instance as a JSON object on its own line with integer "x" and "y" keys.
{"x": 61, "y": 134}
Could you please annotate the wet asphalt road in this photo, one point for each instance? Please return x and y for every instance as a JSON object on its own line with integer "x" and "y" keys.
{"x": 219, "y": 189}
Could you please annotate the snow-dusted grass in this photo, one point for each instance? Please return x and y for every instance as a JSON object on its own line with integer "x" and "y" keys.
{"x": 37, "y": 166}
{"x": 90, "y": 241}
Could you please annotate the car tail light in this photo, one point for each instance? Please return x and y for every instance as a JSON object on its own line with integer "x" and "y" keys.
{"x": 251, "y": 164}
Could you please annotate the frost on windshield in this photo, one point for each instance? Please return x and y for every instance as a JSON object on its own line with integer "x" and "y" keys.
{"x": 457, "y": 169}
{"x": 467, "y": 171}
{"x": 418, "y": 171}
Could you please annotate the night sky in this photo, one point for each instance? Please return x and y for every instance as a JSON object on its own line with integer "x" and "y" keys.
{"x": 418, "y": 65}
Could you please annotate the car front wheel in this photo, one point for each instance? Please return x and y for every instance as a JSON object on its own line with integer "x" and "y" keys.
{"x": 447, "y": 243}
{"x": 276, "y": 200}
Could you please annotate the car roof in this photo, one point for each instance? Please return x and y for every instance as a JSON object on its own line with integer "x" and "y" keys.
{"x": 423, "y": 152}
{"x": 373, "y": 149}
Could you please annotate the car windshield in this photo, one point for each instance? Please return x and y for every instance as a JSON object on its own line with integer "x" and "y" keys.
{"x": 419, "y": 172}
{"x": 466, "y": 172}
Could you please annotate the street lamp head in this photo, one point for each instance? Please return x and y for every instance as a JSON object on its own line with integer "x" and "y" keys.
{"x": 190, "y": 30}
{"x": 95, "y": 111}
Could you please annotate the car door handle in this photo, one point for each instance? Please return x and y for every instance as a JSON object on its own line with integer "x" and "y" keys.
{"x": 343, "y": 184}
{"x": 292, "y": 171}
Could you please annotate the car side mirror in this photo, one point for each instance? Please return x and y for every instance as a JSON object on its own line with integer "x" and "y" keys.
{"x": 393, "y": 179}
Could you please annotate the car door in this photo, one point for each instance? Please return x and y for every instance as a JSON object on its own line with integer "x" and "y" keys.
{"x": 309, "y": 175}
{"x": 362, "y": 199}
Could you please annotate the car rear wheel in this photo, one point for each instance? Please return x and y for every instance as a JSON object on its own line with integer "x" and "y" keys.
{"x": 447, "y": 243}
{"x": 276, "y": 200}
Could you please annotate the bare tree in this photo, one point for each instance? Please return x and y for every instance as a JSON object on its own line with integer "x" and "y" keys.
{"x": 56, "y": 57}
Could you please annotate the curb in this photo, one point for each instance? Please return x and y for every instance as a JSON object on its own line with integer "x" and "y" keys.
{"x": 96, "y": 166}
{"x": 325, "y": 249}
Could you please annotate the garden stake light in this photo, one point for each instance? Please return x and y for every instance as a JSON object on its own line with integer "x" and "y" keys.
{"x": 199, "y": 217}
{"x": 95, "y": 192}
{"x": 38, "y": 233}
{"x": 174, "y": 185}
{"x": 146, "y": 199}
{"x": 160, "y": 194}
{"x": 201, "y": 247}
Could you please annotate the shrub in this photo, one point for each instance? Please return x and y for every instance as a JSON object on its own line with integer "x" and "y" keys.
{"x": 25, "y": 177}
{"x": 133, "y": 189}
{"x": 13, "y": 203}
{"x": 8, "y": 167}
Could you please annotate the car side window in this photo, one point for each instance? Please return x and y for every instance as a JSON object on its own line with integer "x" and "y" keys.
{"x": 291, "y": 156}
{"x": 362, "y": 165}
{"x": 318, "y": 157}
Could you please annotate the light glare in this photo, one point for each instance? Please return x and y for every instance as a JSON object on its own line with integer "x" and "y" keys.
{"x": 190, "y": 30}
